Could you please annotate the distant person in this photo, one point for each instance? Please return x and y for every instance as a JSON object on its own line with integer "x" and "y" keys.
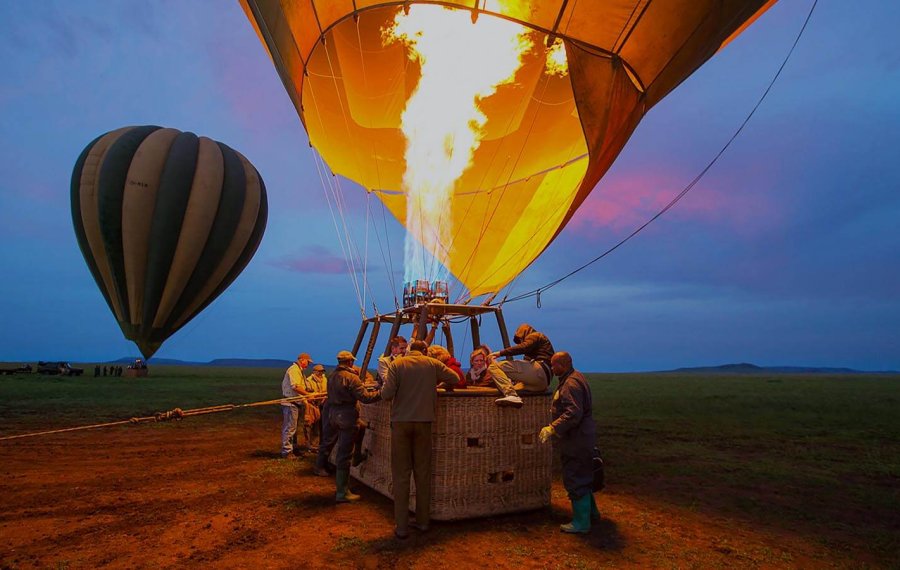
{"x": 531, "y": 374}
{"x": 411, "y": 386}
{"x": 104, "y": 370}
{"x": 292, "y": 385}
{"x": 398, "y": 348}
{"x": 339, "y": 423}
{"x": 96, "y": 371}
{"x": 572, "y": 429}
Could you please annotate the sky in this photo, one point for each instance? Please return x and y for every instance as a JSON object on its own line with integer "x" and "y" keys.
{"x": 786, "y": 253}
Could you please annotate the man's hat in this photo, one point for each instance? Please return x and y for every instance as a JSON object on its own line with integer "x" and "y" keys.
{"x": 304, "y": 355}
{"x": 318, "y": 368}
{"x": 345, "y": 355}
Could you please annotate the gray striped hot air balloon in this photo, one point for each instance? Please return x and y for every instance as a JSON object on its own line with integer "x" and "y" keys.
{"x": 165, "y": 220}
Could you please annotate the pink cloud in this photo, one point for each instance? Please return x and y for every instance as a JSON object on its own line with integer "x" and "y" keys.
{"x": 315, "y": 259}
{"x": 625, "y": 202}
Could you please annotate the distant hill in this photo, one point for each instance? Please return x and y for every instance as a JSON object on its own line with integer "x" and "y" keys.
{"x": 747, "y": 368}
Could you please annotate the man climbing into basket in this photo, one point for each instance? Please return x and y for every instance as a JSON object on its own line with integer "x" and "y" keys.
{"x": 531, "y": 374}
{"x": 572, "y": 429}
{"x": 411, "y": 385}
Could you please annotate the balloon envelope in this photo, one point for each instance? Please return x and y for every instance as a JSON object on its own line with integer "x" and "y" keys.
{"x": 548, "y": 138}
{"x": 166, "y": 220}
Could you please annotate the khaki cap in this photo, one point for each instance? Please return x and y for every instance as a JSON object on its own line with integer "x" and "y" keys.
{"x": 345, "y": 355}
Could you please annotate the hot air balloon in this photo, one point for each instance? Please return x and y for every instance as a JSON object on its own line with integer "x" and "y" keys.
{"x": 383, "y": 87}
{"x": 166, "y": 220}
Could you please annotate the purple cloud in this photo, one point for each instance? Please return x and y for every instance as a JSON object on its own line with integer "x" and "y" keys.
{"x": 316, "y": 259}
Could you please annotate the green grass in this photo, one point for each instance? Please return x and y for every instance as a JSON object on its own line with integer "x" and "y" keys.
{"x": 815, "y": 454}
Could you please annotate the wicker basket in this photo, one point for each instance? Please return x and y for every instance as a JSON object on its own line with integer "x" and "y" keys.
{"x": 486, "y": 459}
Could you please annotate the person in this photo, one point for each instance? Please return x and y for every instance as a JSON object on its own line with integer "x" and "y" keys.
{"x": 292, "y": 385}
{"x": 572, "y": 428}
{"x": 97, "y": 371}
{"x": 532, "y": 374}
{"x": 441, "y": 353}
{"x": 411, "y": 386}
{"x": 315, "y": 385}
{"x": 398, "y": 348}
{"x": 339, "y": 423}
{"x": 478, "y": 373}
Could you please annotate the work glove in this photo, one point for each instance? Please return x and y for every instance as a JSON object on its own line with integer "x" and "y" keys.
{"x": 546, "y": 433}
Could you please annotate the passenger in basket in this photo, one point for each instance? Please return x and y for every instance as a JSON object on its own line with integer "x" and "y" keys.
{"x": 573, "y": 430}
{"x": 478, "y": 374}
{"x": 292, "y": 385}
{"x": 339, "y": 423}
{"x": 440, "y": 353}
{"x": 531, "y": 374}
{"x": 398, "y": 348}
{"x": 411, "y": 384}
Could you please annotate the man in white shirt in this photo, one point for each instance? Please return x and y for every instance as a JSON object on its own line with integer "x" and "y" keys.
{"x": 398, "y": 349}
{"x": 293, "y": 384}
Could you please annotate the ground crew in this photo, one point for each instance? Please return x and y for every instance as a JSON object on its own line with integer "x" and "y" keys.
{"x": 292, "y": 385}
{"x": 339, "y": 423}
{"x": 572, "y": 429}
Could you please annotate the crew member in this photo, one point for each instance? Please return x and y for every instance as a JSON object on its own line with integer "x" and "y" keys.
{"x": 531, "y": 374}
{"x": 292, "y": 385}
{"x": 411, "y": 385}
{"x": 572, "y": 429}
{"x": 339, "y": 422}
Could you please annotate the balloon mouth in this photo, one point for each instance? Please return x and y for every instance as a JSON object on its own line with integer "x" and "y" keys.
{"x": 148, "y": 349}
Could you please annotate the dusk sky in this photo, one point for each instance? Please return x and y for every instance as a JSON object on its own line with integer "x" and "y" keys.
{"x": 786, "y": 253}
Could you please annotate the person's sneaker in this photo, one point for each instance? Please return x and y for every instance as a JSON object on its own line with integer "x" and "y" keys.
{"x": 401, "y": 534}
{"x": 319, "y": 472}
{"x": 509, "y": 402}
{"x": 349, "y": 497}
{"x": 419, "y": 527}
{"x": 288, "y": 456}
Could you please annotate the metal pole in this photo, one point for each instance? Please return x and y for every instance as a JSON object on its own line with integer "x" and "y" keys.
{"x": 476, "y": 332}
{"x": 445, "y": 326}
{"x": 504, "y": 335}
{"x": 395, "y": 330}
{"x": 360, "y": 336}
{"x": 369, "y": 348}
{"x": 421, "y": 331}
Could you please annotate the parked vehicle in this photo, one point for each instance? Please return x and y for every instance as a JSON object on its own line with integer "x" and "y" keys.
{"x": 61, "y": 368}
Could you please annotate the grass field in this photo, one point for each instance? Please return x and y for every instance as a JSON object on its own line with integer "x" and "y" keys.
{"x": 815, "y": 455}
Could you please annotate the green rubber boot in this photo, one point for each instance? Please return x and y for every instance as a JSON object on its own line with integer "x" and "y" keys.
{"x": 581, "y": 516}
{"x": 595, "y": 512}
{"x": 344, "y": 494}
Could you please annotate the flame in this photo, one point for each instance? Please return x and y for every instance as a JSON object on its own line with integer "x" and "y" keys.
{"x": 557, "y": 64}
{"x": 462, "y": 63}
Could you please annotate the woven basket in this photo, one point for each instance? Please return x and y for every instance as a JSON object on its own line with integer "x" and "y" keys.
{"x": 486, "y": 459}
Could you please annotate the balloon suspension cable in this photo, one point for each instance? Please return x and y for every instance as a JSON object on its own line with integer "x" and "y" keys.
{"x": 173, "y": 414}
{"x": 537, "y": 292}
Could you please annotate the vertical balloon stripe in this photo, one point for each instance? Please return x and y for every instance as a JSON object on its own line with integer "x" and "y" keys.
{"x": 246, "y": 255}
{"x": 246, "y": 224}
{"x": 90, "y": 174}
{"x": 141, "y": 189}
{"x": 110, "y": 190}
{"x": 78, "y": 223}
{"x": 202, "y": 211}
{"x": 222, "y": 232}
{"x": 171, "y": 201}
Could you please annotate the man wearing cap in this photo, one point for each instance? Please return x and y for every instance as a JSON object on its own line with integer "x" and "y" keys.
{"x": 292, "y": 385}
{"x": 315, "y": 386}
{"x": 411, "y": 385}
{"x": 339, "y": 419}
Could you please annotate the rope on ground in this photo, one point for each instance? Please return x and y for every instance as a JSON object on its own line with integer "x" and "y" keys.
{"x": 174, "y": 414}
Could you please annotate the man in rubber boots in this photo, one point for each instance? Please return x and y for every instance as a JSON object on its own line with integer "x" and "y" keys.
{"x": 339, "y": 418}
{"x": 411, "y": 385}
{"x": 573, "y": 429}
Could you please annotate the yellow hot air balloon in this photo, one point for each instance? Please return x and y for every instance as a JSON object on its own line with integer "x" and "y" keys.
{"x": 484, "y": 125}
{"x": 166, "y": 220}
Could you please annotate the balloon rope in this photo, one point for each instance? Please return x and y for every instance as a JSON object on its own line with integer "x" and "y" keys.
{"x": 537, "y": 292}
{"x": 174, "y": 414}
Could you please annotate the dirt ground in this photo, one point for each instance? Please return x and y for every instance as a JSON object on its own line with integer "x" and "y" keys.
{"x": 215, "y": 493}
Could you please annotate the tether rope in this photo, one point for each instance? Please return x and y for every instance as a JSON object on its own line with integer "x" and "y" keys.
{"x": 173, "y": 414}
{"x": 537, "y": 292}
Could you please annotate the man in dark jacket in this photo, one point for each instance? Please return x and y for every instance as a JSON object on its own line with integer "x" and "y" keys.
{"x": 573, "y": 429}
{"x": 411, "y": 385}
{"x": 531, "y": 374}
{"x": 339, "y": 418}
